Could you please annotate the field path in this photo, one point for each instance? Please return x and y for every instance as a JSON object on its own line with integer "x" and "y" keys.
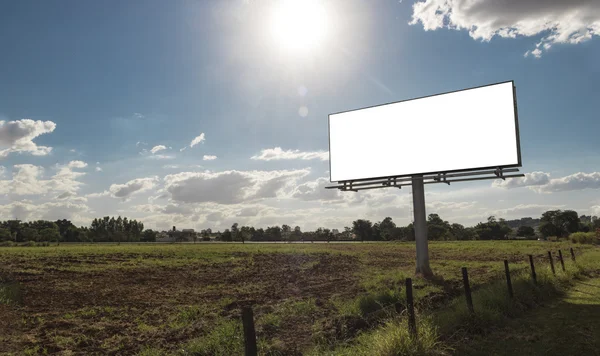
{"x": 566, "y": 327}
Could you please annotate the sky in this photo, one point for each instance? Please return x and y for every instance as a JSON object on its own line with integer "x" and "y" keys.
{"x": 199, "y": 114}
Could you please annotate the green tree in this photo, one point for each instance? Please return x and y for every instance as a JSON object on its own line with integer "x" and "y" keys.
{"x": 49, "y": 234}
{"x": 559, "y": 223}
{"x": 5, "y": 234}
{"x": 526, "y": 231}
{"x": 29, "y": 234}
{"x": 235, "y": 232}
{"x": 226, "y": 236}
{"x": 363, "y": 229}
{"x": 386, "y": 229}
{"x": 437, "y": 229}
{"x": 149, "y": 235}
{"x": 63, "y": 226}
{"x": 297, "y": 233}
{"x": 493, "y": 229}
{"x": 286, "y": 232}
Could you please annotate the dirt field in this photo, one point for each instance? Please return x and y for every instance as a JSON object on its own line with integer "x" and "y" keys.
{"x": 161, "y": 299}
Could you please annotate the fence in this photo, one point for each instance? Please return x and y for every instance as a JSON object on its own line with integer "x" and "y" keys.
{"x": 248, "y": 318}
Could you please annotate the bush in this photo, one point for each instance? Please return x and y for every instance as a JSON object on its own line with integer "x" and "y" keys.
{"x": 583, "y": 237}
{"x": 28, "y": 244}
{"x": 205, "y": 238}
{"x": 6, "y": 244}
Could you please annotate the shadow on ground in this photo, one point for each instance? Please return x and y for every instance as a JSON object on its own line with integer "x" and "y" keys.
{"x": 566, "y": 327}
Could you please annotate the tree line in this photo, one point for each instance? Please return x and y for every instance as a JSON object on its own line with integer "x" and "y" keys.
{"x": 106, "y": 229}
{"x": 559, "y": 223}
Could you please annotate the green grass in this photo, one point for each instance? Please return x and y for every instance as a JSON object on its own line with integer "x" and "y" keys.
{"x": 224, "y": 339}
{"x": 10, "y": 293}
{"x": 289, "y": 309}
{"x": 443, "y": 330}
{"x": 566, "y": 327}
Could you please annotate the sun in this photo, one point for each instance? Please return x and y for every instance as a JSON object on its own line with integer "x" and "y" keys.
{"x": 298, "y": 25}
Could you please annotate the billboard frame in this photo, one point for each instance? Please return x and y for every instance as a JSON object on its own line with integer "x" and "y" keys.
{"x": 517, "y": 136}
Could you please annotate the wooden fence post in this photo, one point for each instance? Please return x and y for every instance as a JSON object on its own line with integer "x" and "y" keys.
{"x": 533, "y": 275}
{"x": 562, "y": 263}
{"x": 551, "y": 262}
{"x": 410, "y": 307}
{"x": 508, "y": 282}
{"x": 467, "y": 289}
{"x": 249, "y": 333}
{"x": 572, "y": 254}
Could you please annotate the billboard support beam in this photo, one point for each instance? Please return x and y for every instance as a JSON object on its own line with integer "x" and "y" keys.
{"x": 420, "y": 225}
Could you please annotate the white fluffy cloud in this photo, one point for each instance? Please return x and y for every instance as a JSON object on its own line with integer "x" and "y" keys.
{"x": 77, "y": 164}
{"x": 209, "y": 158}
{"x": 272, "y": 154}
{"x": 315, "y": 190}
{"x": 577, "y": 181}
{"x": 158, "y": 148}
{"x": 230, "y": 187}
{"x": 161, "y": 157}
{"x": 134, "y": 186}
{"x": 530, "y": 179}
{"x": 523, "y": 210}
{"x": 18, "y": 136}
{"x": 542, "y": 183}
{"x": 27, "y": 179}
{"x": 26, "y": 210}
{"x": 554, "y": 21}
{"x": 197, "y": 140}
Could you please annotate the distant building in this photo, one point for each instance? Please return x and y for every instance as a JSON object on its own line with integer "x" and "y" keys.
{"x": 165, "y": 237}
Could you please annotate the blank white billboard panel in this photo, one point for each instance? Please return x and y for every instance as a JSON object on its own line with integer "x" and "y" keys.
{"x": 463, "y": 130}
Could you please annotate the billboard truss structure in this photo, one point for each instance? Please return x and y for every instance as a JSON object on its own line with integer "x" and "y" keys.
{"x": 447, "y": 178}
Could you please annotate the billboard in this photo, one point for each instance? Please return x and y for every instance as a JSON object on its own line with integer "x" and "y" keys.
{"x": 464, "y": 130}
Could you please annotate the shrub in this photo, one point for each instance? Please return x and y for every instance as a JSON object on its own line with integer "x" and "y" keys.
{"x": 28, "y": 243}
{"x": 6, "y": 244}
{"x": 583, "y": 237}
{"x": 205, "y": 238}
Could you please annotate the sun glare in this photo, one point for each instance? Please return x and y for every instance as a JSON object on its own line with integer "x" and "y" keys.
{"x": 299, "y": 25}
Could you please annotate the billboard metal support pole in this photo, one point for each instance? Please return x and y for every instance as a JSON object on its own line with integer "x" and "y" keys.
{"x": 420, "y": 224}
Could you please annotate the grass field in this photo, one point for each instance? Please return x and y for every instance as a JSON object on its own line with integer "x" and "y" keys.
{"x": 186, "y": 299}
{"x": 568, "y": 326}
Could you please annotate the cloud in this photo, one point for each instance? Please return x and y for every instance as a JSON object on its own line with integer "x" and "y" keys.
{"x": 27, "y": 180}
{"x": 161, "y": 157}
{"x": 98, "y": 169}
{"x": 2, "y": 171}
{"x": 577, "y": 181}
{"x": 98, "y": 195}
{"x": 315, "y": 190}
{"x": 140, "y": 143}
{"x": 272, "y": 154}
{"x": 26, "y": 210}
{"x": 523, "y": 210}
{"x": 530, "y": 179}
{"x": 230, "y": 187}
{"x": 134, "y": 186}
{"x": 209, "y": 158}
{"x": 541, "y": 182}
{"x": 158, "y": 148}
{"x": 77, "y": 164}
{"x": 17, "y": 136}
{"x": 556, "y": 22}
{"x": 197, "y": 140}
